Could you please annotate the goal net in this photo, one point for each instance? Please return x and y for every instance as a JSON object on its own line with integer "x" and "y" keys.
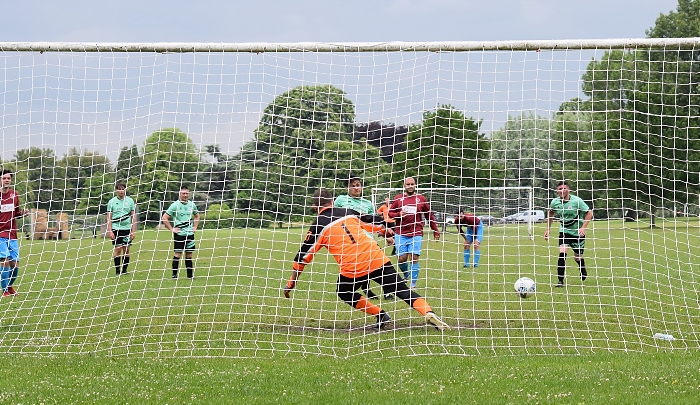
{"x": 493, "y": 204}
{"x": 253, "y": 130}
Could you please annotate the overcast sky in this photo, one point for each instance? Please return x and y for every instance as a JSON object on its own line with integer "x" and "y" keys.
{"x": 326, "y": 20}
{"x": 56, "y": 101}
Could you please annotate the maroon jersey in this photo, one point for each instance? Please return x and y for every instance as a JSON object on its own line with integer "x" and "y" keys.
{"x": 469, "y": 220}
{"x": 408, "y": 211}
{"x": 9, "y": 209}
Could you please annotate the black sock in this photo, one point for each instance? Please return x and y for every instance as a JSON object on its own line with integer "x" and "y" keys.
{"x": 190, "y": 268}
{"x": 118, "y": 263}
{"x": 176, "y": 265}
{"x": 125, "y": 264}
{"x": 561, "y": 267}
{"x": 582, "y": 266}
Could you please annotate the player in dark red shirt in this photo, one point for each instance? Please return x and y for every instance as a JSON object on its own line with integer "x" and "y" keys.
{"x": 9, "y": 248}
{"x": 408, "y": 210}
{"x": 473, "y": 235}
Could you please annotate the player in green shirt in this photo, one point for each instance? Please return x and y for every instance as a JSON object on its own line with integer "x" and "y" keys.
{"x": 185, "y": 222}
{"x": 574, "y": 215}
{"x": 121, "y": 226}
{"x": 353, "y": 200}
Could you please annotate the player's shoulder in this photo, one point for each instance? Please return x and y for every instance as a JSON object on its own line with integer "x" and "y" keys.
{"x": 341, "y": 199}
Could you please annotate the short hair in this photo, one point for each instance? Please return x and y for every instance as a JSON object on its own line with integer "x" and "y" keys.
{"x": 7, "y": 171}
{"x": 184, "y": 188}
{"x": 322, "y": 198}
{"x": 563, "y": 183}
{"x": 352, "y": 179}
{"x": 120, "y": 186}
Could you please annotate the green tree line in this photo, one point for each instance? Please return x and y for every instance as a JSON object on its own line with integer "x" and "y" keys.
{"x": 631, "y": 142}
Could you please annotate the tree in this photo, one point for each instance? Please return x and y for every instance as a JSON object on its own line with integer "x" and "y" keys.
{"x": 304, "y": 141}
{"x": 95, "y": 194}
{"x": 645, "y": 107}
{"x": 445, "y": 149}
{"x": 38, "y": 167}
{"x": 388, "y": 138}
{"x": 170, "y": 160}
{"x": 73, "y": 171}
{"x": 526, "y": 151}
{"x": 129, "y": 165}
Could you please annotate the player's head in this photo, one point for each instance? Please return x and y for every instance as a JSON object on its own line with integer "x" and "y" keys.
{"x": 409, "y": 185}
{"x": 322, "y": 198}
{"x": 121, "y": 189}
{"x": 184, "y": 193}
{"x": 355, "y": 187}
{"x": 6, "y": 178}
{"x": 563, "y": 189}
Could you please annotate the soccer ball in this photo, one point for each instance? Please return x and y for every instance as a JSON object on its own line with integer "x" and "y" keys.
{"x": 525, "y": 287}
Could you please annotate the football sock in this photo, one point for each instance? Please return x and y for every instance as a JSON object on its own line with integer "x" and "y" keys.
{"x": 477, "y": 256}
{"x": 125, "y": 264}
{"x": 467, "y": 253}
{"x": 15, "y": 272}
{"x": 365, "y": 306}
{"x": 561, "y": 266}
{"x": 581, "y": 265}
{"x": 176, "y": 265}
{"x": 5, "y": 273}
{"x": 118, "y": 263}
{"x": 421, "y": 305}
{"x": 190, "y": 268}
{"x": 415, "y": 269}
{"x": 404, "y": 270}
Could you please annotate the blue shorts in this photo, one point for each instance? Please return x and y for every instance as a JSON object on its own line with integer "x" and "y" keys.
{"x": 9, "y": 249}
{"x": 479, "y": 233}
{"x": 408, "y": 244}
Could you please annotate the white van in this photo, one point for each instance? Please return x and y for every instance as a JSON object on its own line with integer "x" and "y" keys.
{"x": 526, "y": 216}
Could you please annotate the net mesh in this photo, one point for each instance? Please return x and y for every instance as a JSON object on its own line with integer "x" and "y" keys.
{"x": 253, "y": 135}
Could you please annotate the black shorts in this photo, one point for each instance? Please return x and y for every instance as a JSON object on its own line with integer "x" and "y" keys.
{"x": 577, "y": 243}
{"x": 386, "y": 276}
{"x": 122, "y": 237}
{"x": 184, "y": 243}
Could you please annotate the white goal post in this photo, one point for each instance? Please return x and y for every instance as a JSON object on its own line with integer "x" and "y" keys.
{"x": 252, "y": 130}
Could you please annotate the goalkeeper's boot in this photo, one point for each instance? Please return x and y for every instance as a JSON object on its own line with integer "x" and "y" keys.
{"x": 12, "y": 290}
{"x": 174, "y": 273}
{"x": 382, "y": 320}
{"x": 436, "y": 322}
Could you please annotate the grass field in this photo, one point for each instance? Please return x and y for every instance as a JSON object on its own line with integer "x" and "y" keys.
{"x": 642, "y": 281}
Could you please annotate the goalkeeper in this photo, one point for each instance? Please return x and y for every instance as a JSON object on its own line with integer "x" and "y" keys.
{"x": 354, "y": 201}
{"x": 342, "y": 232}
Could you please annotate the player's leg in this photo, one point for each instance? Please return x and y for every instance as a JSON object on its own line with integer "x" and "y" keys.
{"x": 14, "y": 265}
{"x": 561, "y": 261}
{"x": 415, "y": 248}
{"x": 179, "y": 247}
{"x": 5, "y": 269}
{"x": 401, "y": 244}
{"x": 468, "y": 246}
{"x": 117, "y": 253}
{"x": 578, "y": 256}
{"x": 125, "y": 259}
{"x": 477, "y": 244}
{"x": 347, "y": 291}
{"x": 189, "y": 248}
{"x": 391, "y": 281}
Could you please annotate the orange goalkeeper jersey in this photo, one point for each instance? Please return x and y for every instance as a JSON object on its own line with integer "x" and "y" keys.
{"x": 340, "y": 230}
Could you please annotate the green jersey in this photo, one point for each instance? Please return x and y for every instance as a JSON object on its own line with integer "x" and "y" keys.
{"x": 570, "y": 214}
{"x": 122, "y": 212}
{"x": 358, "y": 204}
{"x": 181, "y": 216}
